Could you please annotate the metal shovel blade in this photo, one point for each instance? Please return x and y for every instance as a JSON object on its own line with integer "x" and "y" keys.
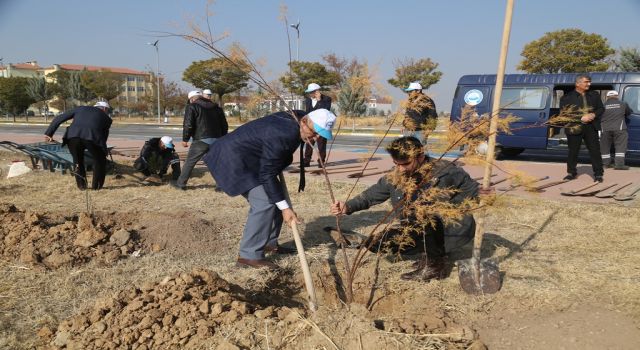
{"x": 479, "y": 277}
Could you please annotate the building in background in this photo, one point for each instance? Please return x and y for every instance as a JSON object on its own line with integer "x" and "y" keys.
{"x": 29, "y": 69}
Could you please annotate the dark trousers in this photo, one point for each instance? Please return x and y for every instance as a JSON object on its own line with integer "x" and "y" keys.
{"x": 197, "y": 150}
{"x": 76, "y": 148}
{"x": 591, "y": 140}
{"x": 411, "y": 239}
{"x": 322, "y": 149}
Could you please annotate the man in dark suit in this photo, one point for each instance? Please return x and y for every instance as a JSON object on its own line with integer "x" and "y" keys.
{"x": 587, "y": 107}
{"x": 316, "y": 100}
{"x": 204, "y": 122}
{"x": 249, "y": 161}
{"x": 89, "y": 130}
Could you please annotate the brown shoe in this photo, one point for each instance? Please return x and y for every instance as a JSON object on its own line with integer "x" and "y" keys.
{"x": 280, "y": 250}
{"x": 256, "y": 263}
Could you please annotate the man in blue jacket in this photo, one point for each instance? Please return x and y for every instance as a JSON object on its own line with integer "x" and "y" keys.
{"x": 89, "y": 130}
{"x": 248, "y": 162}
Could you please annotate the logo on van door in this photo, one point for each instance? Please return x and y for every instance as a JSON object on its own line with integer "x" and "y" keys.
{"x": 473, "y": 97}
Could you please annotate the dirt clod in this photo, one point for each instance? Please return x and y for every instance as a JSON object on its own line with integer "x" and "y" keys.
{"x": 52, "y": 241}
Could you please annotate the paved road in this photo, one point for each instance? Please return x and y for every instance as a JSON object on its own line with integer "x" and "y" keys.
{"x": 356, "y": 143}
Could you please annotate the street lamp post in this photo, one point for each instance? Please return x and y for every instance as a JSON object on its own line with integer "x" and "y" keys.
{"x": 297, "y": 28}
{"x": 155, "y": 44}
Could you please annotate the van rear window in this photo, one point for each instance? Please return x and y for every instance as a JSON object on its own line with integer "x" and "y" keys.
{"x": 524, "y": 98}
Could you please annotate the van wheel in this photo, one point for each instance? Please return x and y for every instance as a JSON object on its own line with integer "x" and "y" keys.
{"x": 509, "y": 151}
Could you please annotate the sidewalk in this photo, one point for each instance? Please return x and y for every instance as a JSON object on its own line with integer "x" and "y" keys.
{"x": 381, "y": 161}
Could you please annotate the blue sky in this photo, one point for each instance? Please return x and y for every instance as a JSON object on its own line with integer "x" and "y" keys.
{"x": 463, "y": 36}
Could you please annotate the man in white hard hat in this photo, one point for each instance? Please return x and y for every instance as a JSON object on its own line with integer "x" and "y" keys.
{"x": 614, "y": 130}
{"x": 421, "y": 116}
{"x": 248, "y": 162}
{"x": 157, "y": 154}
{"x": 207, "y": 93}
{"x": 89, "y": 130}
{"x": 316, "y": 100}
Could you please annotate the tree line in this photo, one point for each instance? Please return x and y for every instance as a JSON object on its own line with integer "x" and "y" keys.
{"x": 349, "y": 81}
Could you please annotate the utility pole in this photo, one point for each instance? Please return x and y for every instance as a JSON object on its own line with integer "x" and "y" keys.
{"x": 155, "y": 44}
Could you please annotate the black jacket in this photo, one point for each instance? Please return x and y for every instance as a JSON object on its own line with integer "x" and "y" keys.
{"x": 594, "y": 104}
{"x": 324, "y": 103}
{"x": 444, "y": 175}
{"x": 89, "y": 123}
{"x": 203, "y": 119}
{"x": 152, "y": 146}
{"x": 421, "y": 113}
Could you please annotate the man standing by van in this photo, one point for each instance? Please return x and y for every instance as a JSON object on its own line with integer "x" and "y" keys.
{"x": 586, "y": 105}
{"x": 614, "y": 130}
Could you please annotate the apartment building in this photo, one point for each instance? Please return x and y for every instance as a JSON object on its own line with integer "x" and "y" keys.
{"x": 136, "y": 85}
{"x": 29, "y": 69}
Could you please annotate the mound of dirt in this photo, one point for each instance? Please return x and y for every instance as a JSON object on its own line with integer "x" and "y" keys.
{"x": 49, "y": 241}
{"x": 187, "y": 310}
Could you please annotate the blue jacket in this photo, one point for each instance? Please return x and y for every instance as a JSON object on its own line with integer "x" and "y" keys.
{"x": 89, "y": 123}
{"x": 254, "y": 154}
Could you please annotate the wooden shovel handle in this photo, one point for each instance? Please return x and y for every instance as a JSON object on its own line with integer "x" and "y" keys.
{"x": 308, "y": 282}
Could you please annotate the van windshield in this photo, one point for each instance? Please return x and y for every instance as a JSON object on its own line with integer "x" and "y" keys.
{"x": 523, "y": 98}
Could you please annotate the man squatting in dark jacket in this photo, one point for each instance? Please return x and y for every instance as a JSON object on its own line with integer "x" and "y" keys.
{"x": 314, "y": 101}
{"x": 614, "y": 130}
{"x": 587, "y": 106}
{"x": 426, "y": 234}
{"x": 156, "y": 156}
{"x": 249, "y": 161}
{"x": 204, "y": 122}
{"x": 89, "y": 130}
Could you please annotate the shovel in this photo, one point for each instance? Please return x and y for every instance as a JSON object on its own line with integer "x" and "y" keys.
{"x": 483, "y": 276}
{"x": 627, "y": 195}
{"x": 596, "y": 191}
{"x": 308, "y": 282}
{"x": 611, "y": 194}
{"x": 577, "y": 191}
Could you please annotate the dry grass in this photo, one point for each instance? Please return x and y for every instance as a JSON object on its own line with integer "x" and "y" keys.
{"x": 555, "y": 254}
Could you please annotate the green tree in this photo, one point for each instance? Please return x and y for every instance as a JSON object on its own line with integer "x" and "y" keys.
{"x": 60, "y": 88}
{"x": 566, "y": 51}
{"x": 409, "y": 70}
{"x": 13, "y": 95}
{"x": 628, "y": 60}
{"x": 218, "y": 74}
{"x": 77, "y": 90}
{"x": 40, "y": 91}
{"x": 102, "y": 84}
{"x": 304, "y": 73}
{"x": 352, "y": 100}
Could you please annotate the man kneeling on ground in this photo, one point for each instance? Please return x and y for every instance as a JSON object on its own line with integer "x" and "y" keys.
{"x": 156, "y": 156}
{"x": 416, "y": 187}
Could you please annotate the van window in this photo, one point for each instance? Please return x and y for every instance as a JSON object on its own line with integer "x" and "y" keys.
{"x": 524, "y": 98}
{"x": 631, "y": 96}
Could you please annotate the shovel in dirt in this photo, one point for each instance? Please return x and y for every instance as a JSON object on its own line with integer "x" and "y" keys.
{"x": 595, "y": 191}
{"x": 483, "y": 276}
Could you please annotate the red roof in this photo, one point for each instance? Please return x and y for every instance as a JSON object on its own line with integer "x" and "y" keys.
{"x": 79, "y": 67}
{"x": 22, "y": 66}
